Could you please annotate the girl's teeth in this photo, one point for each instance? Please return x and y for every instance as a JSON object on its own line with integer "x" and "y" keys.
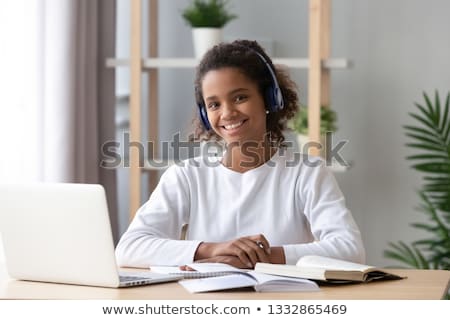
{"x": 233, "y": 126}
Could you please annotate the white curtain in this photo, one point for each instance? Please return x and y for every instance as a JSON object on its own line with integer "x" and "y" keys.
{"x": 56, "y": 98}
{"x": 20, "y": 65}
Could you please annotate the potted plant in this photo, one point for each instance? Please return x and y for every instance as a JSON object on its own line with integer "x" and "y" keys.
{"x": 207, "y": 18}
{"x": 431, "y": 140}
{"x": 300, "y": 125}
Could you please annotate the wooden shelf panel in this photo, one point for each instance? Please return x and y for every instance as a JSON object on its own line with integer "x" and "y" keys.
{"x": 295, "y": 63}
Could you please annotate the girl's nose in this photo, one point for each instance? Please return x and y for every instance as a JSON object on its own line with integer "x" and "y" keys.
{"x": 228, "y": 110}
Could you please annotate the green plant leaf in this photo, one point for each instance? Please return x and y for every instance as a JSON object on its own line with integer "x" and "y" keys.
{"x": 428, "y": 114}
{"x": 440, "y": 245}
{"x": 414, "y": 129}
{"x": 427, "y": 123}
{"x": 442, "y": 259}
{"x": 431, "y": 112}
{"x": 445, "y": 123}
{"x": 409, "y": 251}
{"x": 402, "y": 253}
{"x": 425, "y": 139}
{"x": 437, "y": 187}
{"x": 421, "y": 259}
{"x": 432, "y": 167}
{"x": 440, "y": 179}
{"x": 437, "y": 107}
{"x": 395, "y": 255}
{"x": 424, "y": 227}
{"x": 424, "y": 242}
{"x": 427, "y": 156}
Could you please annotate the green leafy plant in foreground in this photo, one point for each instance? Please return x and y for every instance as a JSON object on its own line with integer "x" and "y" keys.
{"x": 431, "y": 139}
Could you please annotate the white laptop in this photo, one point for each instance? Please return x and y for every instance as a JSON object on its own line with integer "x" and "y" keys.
{"x": 61, "y": 233}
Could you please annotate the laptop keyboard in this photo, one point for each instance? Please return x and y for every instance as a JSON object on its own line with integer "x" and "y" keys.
{"x": 132, "y": 278}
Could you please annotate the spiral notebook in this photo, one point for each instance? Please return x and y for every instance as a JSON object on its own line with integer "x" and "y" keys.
{"x": 202, "y": 270}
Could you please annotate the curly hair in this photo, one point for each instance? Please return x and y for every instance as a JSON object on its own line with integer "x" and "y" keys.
{"x": 242, "y": 54}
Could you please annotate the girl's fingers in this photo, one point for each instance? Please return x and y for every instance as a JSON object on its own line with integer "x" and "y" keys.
{"x": 258, "y": 250}
{"x": 262, "y": 242}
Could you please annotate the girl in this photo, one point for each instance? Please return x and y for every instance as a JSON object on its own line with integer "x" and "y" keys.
{"x": 259, "y": 202}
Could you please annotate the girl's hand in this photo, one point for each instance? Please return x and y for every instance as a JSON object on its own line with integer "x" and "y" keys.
{"x": 248, "y": 250}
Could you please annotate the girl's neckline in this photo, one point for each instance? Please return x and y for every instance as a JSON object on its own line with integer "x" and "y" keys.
{"x": 273, "y": 158}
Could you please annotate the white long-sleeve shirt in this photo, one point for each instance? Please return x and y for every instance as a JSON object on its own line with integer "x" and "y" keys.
{"x": 293, "y": 204}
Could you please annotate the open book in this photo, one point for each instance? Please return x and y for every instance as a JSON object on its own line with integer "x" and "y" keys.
{"x": 328, "y": 270}
{"x": 259, "y": 281}
{"x": 220, "y": 276}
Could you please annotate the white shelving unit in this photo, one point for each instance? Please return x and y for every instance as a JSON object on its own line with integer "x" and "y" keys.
{"x": 318, "y": 65}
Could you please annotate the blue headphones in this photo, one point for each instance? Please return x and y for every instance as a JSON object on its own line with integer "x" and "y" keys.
{"x": 273, "y": 97}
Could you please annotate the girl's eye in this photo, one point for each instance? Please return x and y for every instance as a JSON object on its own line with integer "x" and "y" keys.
{"x": 212, "y": 105}
{"x": 240, "y": 98}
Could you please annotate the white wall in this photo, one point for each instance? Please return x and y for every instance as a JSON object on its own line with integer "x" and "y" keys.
{"x": 399, "y": 48}
{"x": 2, "y": 251}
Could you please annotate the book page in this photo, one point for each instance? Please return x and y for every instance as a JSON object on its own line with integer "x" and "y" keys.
{"x": 331, "y": 264}
{"x": 218, "y": 283}
{"x": 274, "y": 283}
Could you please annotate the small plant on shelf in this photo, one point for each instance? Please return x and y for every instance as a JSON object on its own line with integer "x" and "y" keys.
{"x": 327, "y": 121}
{"x": 207, "y": 14}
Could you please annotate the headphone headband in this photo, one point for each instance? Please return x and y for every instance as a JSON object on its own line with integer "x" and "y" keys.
{"x": 277, "y": 101}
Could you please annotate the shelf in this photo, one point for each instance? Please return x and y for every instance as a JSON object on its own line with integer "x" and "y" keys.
{"x": 295, "y": 63}
{"x": 317, "y": 64}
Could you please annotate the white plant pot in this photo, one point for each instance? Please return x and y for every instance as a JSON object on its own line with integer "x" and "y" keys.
{"x": 204, "y": 39}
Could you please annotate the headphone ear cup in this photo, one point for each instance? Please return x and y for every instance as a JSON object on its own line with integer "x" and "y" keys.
{"x": 274, "y": 99}
{"x": 203, "y": 116}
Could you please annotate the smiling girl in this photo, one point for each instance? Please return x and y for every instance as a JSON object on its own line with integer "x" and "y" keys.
{"x": 259, "y": 202}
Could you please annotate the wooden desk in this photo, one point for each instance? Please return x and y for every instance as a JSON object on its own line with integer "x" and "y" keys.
{"x": 420, "y": 284}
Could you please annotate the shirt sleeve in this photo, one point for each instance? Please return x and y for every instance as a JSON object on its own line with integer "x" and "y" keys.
{"x": 332, "y": 225}
{"x": 152, "y": 237}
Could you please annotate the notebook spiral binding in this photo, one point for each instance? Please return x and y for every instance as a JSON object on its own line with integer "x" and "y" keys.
{"x": 198, "y": 274}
